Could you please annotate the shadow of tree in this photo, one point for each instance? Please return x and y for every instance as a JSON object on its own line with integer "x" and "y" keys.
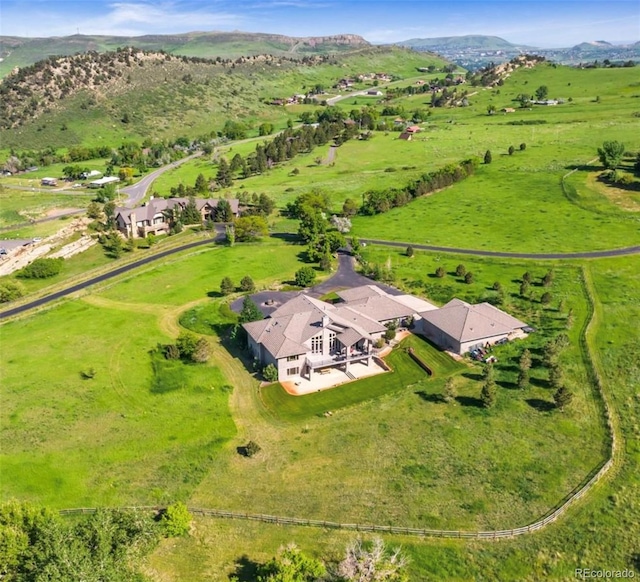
{"x": 246, "y": 570}
{"x": 540, "y": 405}
{"x": 469, "y": 401}
{"x": 435, "y": 398}
{"x": 472, "y": 376}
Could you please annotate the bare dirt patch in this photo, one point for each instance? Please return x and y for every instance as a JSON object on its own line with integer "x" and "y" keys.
{"x": 623, "y": 198}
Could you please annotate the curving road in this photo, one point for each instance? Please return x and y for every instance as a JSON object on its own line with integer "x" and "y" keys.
{"x": 345, "y": 277}
{"x": 106, "y": 276}
{"x": 136, "y": 192}
{"x": 505, "y": 255}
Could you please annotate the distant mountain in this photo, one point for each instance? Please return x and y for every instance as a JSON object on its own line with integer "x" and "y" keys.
{"x": 478, "y": 42}
{"x": 20, "y": 52}
{"x": 476, "y": 51}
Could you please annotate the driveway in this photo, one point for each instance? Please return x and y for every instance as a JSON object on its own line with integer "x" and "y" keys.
{"x": 344, "y": 278}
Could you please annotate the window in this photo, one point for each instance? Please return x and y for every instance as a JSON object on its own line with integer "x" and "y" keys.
{"x": 332, "y": 341}
{"x": 292, "y": 358}
{"x": 316, "y": 344}
{"x": 293, "y": 371}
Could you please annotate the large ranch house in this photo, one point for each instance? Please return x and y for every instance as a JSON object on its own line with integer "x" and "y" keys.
{"x": 157, "y": 216}
{"x": 305, "y": 336}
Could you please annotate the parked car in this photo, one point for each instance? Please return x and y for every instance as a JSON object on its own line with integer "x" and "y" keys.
{"x": 501, "y": 341}
{"x": 490, "y": 360}
{"x": 529, "y": 329}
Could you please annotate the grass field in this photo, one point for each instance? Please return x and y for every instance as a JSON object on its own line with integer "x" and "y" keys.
{"x": 405, "y": 374}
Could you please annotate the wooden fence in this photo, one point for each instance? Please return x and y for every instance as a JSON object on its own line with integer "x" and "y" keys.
{"x": 611, "y": 423}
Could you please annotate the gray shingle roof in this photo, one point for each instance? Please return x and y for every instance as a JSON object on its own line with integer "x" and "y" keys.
{"x": 465, "y": 322}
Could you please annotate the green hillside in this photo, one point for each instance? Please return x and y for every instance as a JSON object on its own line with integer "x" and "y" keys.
{"x": 160, "y": 96}
{"x": 460, "y": 42}
{"x": 20, "y": 52}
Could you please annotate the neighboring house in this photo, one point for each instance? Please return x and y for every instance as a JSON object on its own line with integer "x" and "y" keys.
{"x": 305, "y": 335}
{"x": 460, "y": 327}
{"x": 48, "y": 182}
{"x": 413, "y": 129}
{"x": 103, "y": 182}
{"x": 158, "y": 215}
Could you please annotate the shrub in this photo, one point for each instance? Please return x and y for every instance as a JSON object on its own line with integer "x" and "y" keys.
{"x": 176, "y": 520}
{"x": 546, "y": 298}
{"x": 10, "y": 291}
{"x": 497, "y": 286}
{"x": 440, "y": 272}
{"x": 247, "y": 285}
{"x": 523, "y": 146}
{"x": 270, "y": 373}
{"x": 390, "y": 334}
{"x": 226, "y": 286}
{"x": 487, "y": 157}
{"x": 461, "y": 270}
{"x": 511, "y": 150}
{"x": 468, "y": 278}
{"x": 379, "y": 343}
{"x": 305, "y": 276}
{"x": 409, "y": 252}
{"x": 251, "y": 448}
{"x": 41, "y": 269}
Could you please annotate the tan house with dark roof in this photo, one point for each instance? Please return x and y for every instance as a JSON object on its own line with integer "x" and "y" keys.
{"x": 157, "y": 215}
{"x": 305, "y": 335}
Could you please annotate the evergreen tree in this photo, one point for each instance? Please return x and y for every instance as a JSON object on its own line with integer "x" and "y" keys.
{"x": 190, "y": 214}
{"x": 562, "y": 397}
{"x": 201, "y": 185}
{"x": 449, "y": 390}
{"x": 247, "y": 285}
{"x": 250, "y": 311}
{"x": 488, "y": 394}
{"x": 487, "y": 157}
{"x": 223, "y": 212}
{"x": 226, "y": 286}
{"x": 224, "y": 177}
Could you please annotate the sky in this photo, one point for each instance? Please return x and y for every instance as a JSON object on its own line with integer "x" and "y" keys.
{"x": 538, "y": 23}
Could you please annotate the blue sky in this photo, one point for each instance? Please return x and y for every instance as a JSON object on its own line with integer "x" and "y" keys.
{"x": 542, "y": 23}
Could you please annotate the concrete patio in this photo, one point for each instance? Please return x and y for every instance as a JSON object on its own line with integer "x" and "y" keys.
{"x": 331, "y": 377}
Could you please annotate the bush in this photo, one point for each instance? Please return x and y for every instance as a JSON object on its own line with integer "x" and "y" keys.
{"x": 10, "y": 291}
{"x": 247, "y": 285}
{"x": 409, "y": 252}
{"x": 226, "y": 286}
{"x": 440, "y": 272}
{"x": 523, "y": 146}
{"x": 176, "y": 520}
{"x": 251, "y": 448}
{"x": 379, "y": 343}
{"x": 270, "y": 373}
{"x": 461, "y": 270}
{"x": 305, "y": 276}
{"x": 468, "y": 278}
{"x": 390, "y": 334}
{"x": 41, "y": 269}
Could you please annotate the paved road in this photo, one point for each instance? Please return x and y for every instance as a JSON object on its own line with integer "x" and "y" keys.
{"x": 136, "y": 192}
{"x": 106, "y": 276}
{"x": 580, "y": 255}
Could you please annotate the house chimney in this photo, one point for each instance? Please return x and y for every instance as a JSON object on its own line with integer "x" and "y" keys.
{"x": 325, "y": 321}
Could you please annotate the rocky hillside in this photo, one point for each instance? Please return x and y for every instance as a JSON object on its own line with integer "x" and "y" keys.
{"x": 20, "y": 52}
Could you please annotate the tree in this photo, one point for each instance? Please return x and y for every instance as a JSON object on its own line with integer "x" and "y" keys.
{"x": 94, "y": 211}
{"x": 488, "y": 394}
{"x": 350, "y": 207}
{"x": 523, "y": 146}
{"x": 202, "y": 351}
{"x": 546, "y": 298}
{"x": 468, "y": 278}
{"x": 523, "y": 379}
{"x": 250, "y": 311}
{"x": 10, "y": 291}
{"x": 525, "y": 360}
{"x": 252, "y": 448}
{"x": 305, "y": 276}
{"x": 250, "y": 228}
{"x": 341, "y": 223}
{"x": 247, "y": 285}
{"x": 187, "y": 344}
{"x": 547, "y": 280}
{"x": 409, "y": 251}
{"x": 550, "y": 353}
{"x": 497, "y": 286}
{"x": 511, "y": 150}
{"x": 491, "y": 109}
{"x": 230, "y": 234}
{"x": 325, "y": 262}
{"x": 556, "y": 375}
{"x": 226, "y": 286}
{"x": 270, "y": 373}
{"x": 562, "y": 397}
{"x": 461, "y": 270}
{"x": 191, "y": 214}
{"x": 610, "y": 154}
{"x": 222, "y": 211}
{"x": 390, "y": 334}
{"x": 265, "y": 129}
{"x": 526, "y": 277}
{"x": 202, "y": 185}
{"x": 487, "y": 157}
{"x": 440, "y": 272}
{"x": 524, "y": 289}
{"x": 542, "y": 92}
{"x": 312, "y": 224}
{"x": 372, "y": 563}
{"x": 291, "y": 565}
{"x": 176, "y": 520}
{"x": 112, "y": 243}
{"x": 449, "y": 390}
{"x": 224, "y": 177}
